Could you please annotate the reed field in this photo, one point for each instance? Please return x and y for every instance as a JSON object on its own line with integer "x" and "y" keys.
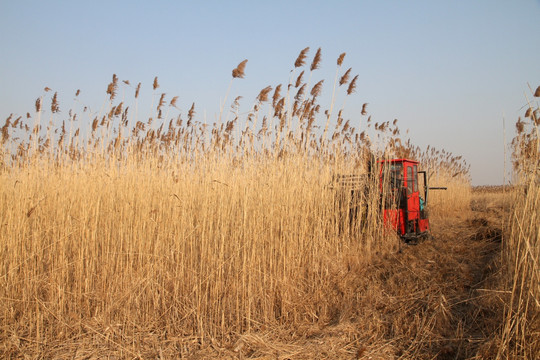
{"x": 521, "y": 251}
{"x": 164, "y": 236}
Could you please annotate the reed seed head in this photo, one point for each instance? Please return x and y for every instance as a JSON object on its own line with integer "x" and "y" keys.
{"x": 275, "y": 97}
{"x": 161, "y": 101}
{"x": 316, "y": 91}
{"x": 137, "y": 90}
{"x": 299, "y": 80}
{"x": 238, "y": 72}
{"x": 54, "y": 104}
{"x": 352, "y": 85}
{"x": 191, "y": 112}
{"x": 112, "y": 87}
{"x": 301, "y": 59}
{"x": 364, "y": 108}
{"x": 279, "y": 107}
{"x": 173, "y": 101}
{"x": 316, "y": 63}
{"x": 345, "y": 78}
{"x": 118, "y": 109}
{"x": 236, "y": 103}
{"x": 340, "y": 59}
{"x": 300, "y": 93}
{"x": 38, "y": 104}
{"x": 263, "y": 95}
{"x": 520, "y": 126}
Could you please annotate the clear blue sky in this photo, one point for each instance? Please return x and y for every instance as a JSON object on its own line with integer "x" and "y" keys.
{"x": 448, "y": 70}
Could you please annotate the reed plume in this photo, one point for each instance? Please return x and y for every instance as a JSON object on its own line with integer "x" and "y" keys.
{"x": 191, "y": 112}
{"x": 112, "y": 87}
{"x": 317, "y": 88}
{"x": 263, "y": 94}
{"x": 301, "y": 59}
{"x": 238, "y": 72}
{"x": 300, "y": 93}
{"x": 340, "y": 59}
{"x": 173, "y": 101}
{"x": 236, "y": 103}
{"x": 161, "y": 101}
{"x": 54, "y": 104}
{"x": 352, "y": 86}
{"x": 315, "y": 64}
{"x": 345, "y": 78}
{"x": 279, "y": 107}
{"x": 276, "y": 96}
{"x": 299, "y": 79}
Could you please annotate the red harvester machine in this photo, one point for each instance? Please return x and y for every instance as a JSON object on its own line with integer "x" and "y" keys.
{"x": 406, "y": 211}
{"x": 404, "y": 198}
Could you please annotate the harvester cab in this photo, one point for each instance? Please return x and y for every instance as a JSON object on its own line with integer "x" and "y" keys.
{"x": 405, "y": 198}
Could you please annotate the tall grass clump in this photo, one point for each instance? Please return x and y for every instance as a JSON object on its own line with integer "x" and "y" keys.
{"x": 115, "y": 226}
{"x": 521, "y": 249}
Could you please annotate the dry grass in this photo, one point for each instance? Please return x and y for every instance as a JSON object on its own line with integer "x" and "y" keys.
{"x": 166, "y": 236}
{"x": 521, "y": 251}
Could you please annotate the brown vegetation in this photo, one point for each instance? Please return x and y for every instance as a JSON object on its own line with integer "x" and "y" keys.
{"x": 170, "y": 237}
